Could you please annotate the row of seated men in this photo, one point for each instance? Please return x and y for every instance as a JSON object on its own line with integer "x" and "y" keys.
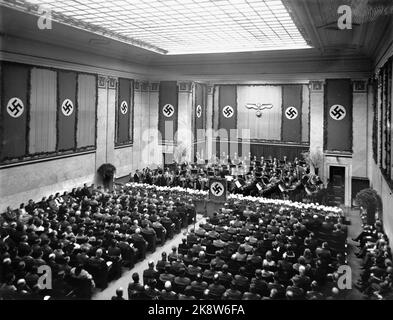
{"x": 269, "y": 178}
{"x": 86, "y": 237}
{"x": 376, "y": 280}
{"x": 252, "y": 253}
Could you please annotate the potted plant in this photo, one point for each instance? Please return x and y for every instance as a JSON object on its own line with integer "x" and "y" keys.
{"x": 106, "y": 174}
{"x": 314, "y": 160}
{"x": 370, "y": 201}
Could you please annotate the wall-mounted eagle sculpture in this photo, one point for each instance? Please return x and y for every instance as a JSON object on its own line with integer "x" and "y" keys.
{"x": 259, "y": 107}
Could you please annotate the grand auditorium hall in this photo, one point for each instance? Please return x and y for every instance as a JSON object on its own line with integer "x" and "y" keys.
{"x": 207, "y": 150}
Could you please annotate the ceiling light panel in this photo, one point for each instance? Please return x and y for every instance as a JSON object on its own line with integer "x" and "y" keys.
{"x": 188, "y": 26}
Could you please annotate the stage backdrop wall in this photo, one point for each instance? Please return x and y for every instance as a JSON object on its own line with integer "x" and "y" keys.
{"x": 268, "y": 126}
{"x": 270, "y": 112}
{"x": 274, "y": 119}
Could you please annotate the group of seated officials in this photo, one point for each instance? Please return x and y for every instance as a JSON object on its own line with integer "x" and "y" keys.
{"x": 87, "y": 237}
{"x": 250, "y": 252}
{"x": 269, "y": 178}
{"x": 376, "y": 279}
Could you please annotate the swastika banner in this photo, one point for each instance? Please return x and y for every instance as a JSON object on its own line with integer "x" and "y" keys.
{"x": 168, "y": 110}
{"x": 338, "y": 115}
{"x": 14, "y": 110}
{"x": 66, "y": 110}
{"x": 291, "y": 113}
{"x": 200, "y": 105}
{"x": 227, "y": 108}
{"x": 124, "y": 111}
{"x": 199, "y": 118}
{"x": 218, "y": 189}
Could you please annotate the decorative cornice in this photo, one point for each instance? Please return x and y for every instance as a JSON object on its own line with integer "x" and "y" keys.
{"x": 185, "y": 86}
{"x": 112, "y": 82}
{"x": 154, "y": 87}
{"x": 102, "y": 81}
{"x": 359, "y": 85}
{"x": 316, "y": 86}
{"x": 145, "y": 86}
{"x": 137, "y": 85}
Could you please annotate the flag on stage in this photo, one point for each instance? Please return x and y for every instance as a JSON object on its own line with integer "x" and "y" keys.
{"x": 218, "y": 189}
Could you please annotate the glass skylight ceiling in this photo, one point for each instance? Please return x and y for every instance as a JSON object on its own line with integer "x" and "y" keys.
{"x": 189, "y": 26}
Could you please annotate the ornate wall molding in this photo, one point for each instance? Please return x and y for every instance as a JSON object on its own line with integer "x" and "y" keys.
{"x": 137, "y": 86}
{"x": 102, "y": 82}
{"x": 145, "y": 86}
{"x": 154, "y": 87}
{"x": 185, "y": 86}
{"x": 359, "y": 85}
{"x": 316, "y": 86}
{"x": 112, "y": 83}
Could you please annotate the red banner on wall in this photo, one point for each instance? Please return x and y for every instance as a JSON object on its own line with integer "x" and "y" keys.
{"x": 200, "y": 105}
{"x": 292, "y": 113}
{"x": 227, "y": 108}
{"x": 66, "y": 110}
{"x": 168, "y": 110}
{"x": 14, "y": 110}
{"x": 124, "y": 111}
{"x": 338, "y": 115}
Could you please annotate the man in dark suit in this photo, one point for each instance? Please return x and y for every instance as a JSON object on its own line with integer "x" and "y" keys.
{"x": 149, "y": 274}
{"x": 199, "y": 286}
{"x": 168, "y": 225}
{"x": 216, "y": 289}
{"x": 114, "y": 254}
{"x": 135, "y": 289}
{"x": 167, "y": 293}
{"x": 119, "y": 295}
{"x": 251, "y": 294}
{"x": 98, "y": 269}
{"x": 139, "y": 243}
{"x": 192, "y": 238}
{"x": 127, "y": 253}
{"x": 150, "y": 236}
{"x": 181, "y": 281}
{"x": 232, "y": 293}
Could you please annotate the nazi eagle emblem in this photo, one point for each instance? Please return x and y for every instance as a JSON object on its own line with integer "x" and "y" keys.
{"x": 259, "y": 107}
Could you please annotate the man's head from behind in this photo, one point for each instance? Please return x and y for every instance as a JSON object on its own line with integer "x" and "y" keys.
{"x": 119, "y": 292}
{"x": 135, "y": 277}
